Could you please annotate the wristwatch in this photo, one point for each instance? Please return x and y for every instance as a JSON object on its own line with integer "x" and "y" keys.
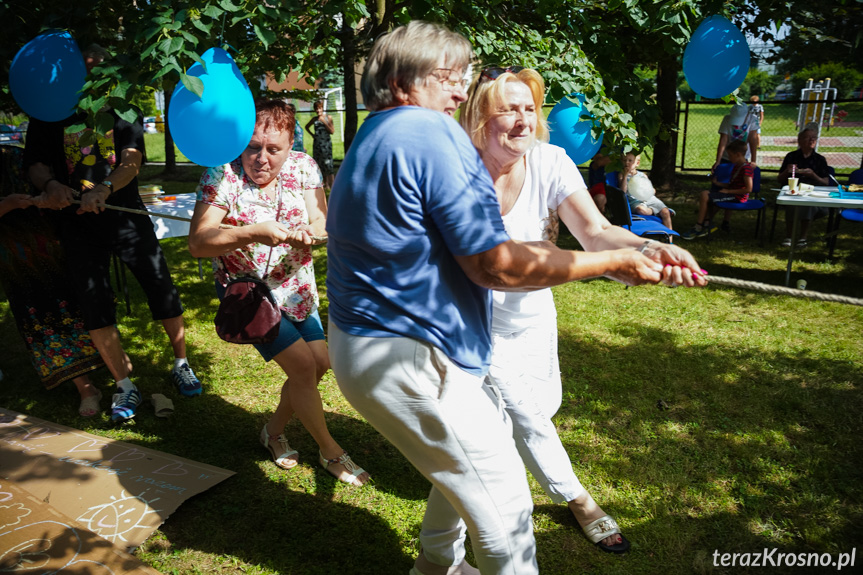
{"x": 108, "y": 184}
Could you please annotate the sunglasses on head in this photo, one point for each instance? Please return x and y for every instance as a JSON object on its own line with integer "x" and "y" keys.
{"x": 494, "y": 72}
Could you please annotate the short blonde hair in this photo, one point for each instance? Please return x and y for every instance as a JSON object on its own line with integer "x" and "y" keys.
{"x": 486, "y": 97}
{"x": 405, "y": 57}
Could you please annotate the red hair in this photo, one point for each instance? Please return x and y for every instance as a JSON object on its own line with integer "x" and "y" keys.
{"x": 274, "y": 115}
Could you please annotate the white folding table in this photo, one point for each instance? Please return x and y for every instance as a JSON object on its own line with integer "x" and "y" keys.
{"x": 819, "y": 198}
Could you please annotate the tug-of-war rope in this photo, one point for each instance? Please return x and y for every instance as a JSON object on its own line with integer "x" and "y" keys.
{"x": 718, "y": 280}
{"x": 781, "y": 290}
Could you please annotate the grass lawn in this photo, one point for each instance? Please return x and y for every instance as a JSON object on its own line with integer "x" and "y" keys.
{"x": 759, "y": 446}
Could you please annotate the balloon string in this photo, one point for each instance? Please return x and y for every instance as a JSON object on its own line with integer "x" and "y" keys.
{"x": 222, "y": 33}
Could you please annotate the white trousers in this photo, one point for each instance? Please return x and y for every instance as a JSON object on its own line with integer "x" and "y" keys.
{"x": 454, "y": 430}
{"x": 524, "y": 367}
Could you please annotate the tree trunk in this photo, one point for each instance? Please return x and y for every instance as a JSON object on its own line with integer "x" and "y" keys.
{"x": 170, "y": 155}
{"x": 662, "y": 172}
{"x": 349, "y": 56}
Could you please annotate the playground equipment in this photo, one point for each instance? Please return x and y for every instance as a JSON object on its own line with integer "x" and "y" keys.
{"x": 817, "y": 106}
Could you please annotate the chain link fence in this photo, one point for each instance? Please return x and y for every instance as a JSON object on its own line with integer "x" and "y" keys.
{"x": 840, "y": 142}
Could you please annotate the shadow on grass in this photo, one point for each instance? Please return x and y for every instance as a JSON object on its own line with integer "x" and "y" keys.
{"x": 298, "y": 521}
{"x": 748, "y": 449}
{"x": 758, "y": 446}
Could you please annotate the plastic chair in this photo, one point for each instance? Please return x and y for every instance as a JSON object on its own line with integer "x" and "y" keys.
{"x": 611, "y": 180}
{"x": 753, "y": 203}
{"x": 852, "y": 215}
{"x": 618, "y": 205}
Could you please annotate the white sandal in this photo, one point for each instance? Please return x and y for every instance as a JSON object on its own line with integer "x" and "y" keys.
{"x": 282, "y": 460}
{"x": 345, "y": 460}
{"x": 602, "y": 528}
{"x": 90, "y": 405}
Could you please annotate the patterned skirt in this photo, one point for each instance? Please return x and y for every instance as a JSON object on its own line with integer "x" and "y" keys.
{"x": 40, "y": 295}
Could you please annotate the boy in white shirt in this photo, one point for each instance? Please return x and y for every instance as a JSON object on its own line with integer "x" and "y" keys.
{"x": 640, "y": 192}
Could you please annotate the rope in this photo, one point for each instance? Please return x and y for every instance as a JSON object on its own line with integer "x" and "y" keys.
{"x": 718, "y": 280}
{"x": 780, "y": 290}
{"x": 316, "y": 239}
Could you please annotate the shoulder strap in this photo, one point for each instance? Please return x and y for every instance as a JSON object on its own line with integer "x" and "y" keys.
{"x": 270, "y": 256}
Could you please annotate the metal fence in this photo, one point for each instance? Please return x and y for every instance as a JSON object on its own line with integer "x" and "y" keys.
{"x": 840, "y": 142}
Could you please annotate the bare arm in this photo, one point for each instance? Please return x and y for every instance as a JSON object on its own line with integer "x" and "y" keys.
{"x": 316, "y": 207}
{"x": 309, "y": 123}
{"x": 55, "y": 195}
{"x": 328, "y": 123}
{"x": 208, "y": 239}
{"x": 14, "y": 202}
{"x": 746, "y": 189}
{"x": 595, "y": 233}
{"x": 783, "y": 175}
{"x": 129, "y": 166}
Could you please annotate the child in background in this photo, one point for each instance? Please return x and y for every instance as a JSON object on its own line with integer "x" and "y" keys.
{"x": 756, "y": 119}
{"x": 596, "y": 179}
{"x": 639, "y": 191}
{"x": 736, "y": 190}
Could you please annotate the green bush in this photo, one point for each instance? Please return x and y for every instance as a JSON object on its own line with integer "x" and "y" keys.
{"x": 843, "y": 78}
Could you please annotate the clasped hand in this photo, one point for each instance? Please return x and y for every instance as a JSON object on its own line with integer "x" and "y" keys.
{"x": 55, "y": 197}
{"x": 679, "y": 267}
{"x": 273, "y": 234}
{"x": 659, "y": 263}
{"x": 93, "y": 201}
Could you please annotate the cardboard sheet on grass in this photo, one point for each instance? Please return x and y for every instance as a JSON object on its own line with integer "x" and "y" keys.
{"x": 36, "y": 538}
{"x": 117, "y": 490}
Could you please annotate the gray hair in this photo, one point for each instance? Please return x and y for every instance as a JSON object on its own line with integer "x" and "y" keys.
{"x": 808, "y": 130}
{"x": 406, "y": 56}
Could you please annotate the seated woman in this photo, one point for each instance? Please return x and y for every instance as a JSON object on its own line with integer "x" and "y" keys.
{"x": 273, "y": 202}
{"x": 537, "y": 184}
{"x": 40, "y": 297}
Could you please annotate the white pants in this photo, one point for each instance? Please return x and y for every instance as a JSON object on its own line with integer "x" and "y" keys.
{"x": 524, "y": 367}
{"x": 454, "y": 430}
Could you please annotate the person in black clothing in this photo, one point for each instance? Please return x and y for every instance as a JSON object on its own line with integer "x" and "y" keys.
{"x": 103, "y": 173}
{"x": 811, "y": 167}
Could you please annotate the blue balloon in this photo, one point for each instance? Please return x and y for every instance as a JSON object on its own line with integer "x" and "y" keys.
{"x": 716, "y": 60}
{"x": 214, "y": 129}
{"x": 570, "y": 125}
{"x": 46, "y": 76}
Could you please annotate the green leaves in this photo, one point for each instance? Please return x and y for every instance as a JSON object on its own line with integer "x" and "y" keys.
{"x": 193, "y": 84}
{"x": 266, "y": 36}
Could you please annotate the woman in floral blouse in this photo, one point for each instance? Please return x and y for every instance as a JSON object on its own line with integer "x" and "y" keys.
{"x": 271, "y": 199}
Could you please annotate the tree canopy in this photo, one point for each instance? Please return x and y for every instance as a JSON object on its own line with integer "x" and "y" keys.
{"x": 587, "y": 46}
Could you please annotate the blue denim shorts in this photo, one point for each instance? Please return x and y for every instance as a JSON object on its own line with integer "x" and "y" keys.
{"x": 310, "y": 329}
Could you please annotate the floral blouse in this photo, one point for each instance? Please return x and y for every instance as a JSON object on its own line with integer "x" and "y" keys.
{"x": 291, "y": 273}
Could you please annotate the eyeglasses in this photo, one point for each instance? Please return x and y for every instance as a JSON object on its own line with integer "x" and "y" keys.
{"x": 494, "y": 72}
{"x": 450, "y": 78}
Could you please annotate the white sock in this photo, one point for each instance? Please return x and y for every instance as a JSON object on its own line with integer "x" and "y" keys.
{"x": 180, "y": 361}
{"x": 125, "y": 385}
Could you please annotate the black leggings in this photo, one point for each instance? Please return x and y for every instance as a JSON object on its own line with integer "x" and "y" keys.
{"x": 89, "y": 241}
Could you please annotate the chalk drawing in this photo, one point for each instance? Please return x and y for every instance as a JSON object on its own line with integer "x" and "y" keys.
{"x": 31, "y": 552}
{"x": 119, "y": 517}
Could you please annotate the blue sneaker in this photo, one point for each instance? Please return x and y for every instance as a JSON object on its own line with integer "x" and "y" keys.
{"x": 186, "y": 381}
{"x": 694, "y": 233}
{"x": 125, "y": 405}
